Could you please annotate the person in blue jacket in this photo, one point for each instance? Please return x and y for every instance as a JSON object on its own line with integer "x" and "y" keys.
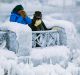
{"x": 19, "y": 15}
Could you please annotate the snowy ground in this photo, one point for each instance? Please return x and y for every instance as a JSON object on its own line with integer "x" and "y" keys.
{"x": 62, "y": 63}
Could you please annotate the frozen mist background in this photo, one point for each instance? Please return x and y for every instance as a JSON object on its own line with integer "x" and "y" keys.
{"x": 47, "y": 61}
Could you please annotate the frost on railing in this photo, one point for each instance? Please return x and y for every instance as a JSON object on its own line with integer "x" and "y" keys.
{"x": 8, "y": 40}
{"x": 56, "y": 36}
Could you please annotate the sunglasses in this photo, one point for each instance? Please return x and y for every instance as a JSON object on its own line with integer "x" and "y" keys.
{"x": 38, "y": 18}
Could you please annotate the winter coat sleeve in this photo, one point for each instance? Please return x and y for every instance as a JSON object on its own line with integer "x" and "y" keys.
{"x": 28, "y": 20}
{"x": 44, "y": 26}
{"x": 34, "y": 28}
{"x": 13, "y": 17}
{"x": 20, "y": 19}
{"x": 16, "y": 18}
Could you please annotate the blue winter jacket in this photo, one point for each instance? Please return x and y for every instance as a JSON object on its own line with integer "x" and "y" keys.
{"x": 15, "y": 17}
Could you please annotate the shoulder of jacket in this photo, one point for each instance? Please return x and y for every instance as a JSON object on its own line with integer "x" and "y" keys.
{"x": 14, "y": 14}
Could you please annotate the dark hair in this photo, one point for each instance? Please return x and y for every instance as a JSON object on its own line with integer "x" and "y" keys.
{"x": 18, "y": 8}
{"x": 37, "y": 15}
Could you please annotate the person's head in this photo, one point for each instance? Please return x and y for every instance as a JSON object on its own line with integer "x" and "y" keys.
{"x": 37, "y": 15}
{"x": 18, "y": 8}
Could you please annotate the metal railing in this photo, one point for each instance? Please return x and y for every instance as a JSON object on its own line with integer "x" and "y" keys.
{"x": 49, "y": 38}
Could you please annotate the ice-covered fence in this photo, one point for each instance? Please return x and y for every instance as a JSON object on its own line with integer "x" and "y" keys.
{"x": 56, "y": 36}
{"x": 51, "y": 55}
{"x": 70, "y": 30}
{"x": 22, "y": 34}
{"x": 8, "y": 40}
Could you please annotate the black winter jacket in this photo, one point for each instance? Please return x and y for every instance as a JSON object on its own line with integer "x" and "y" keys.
{"x": 41, "y": 27}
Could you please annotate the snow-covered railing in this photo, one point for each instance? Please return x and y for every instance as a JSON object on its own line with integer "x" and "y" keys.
{"x": 8, "y": 40}
{"x": 18, "y": 38}
{"x": 57, "y": 36}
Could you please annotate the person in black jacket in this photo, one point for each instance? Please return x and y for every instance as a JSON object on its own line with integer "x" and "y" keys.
{"x": 37, "y": 23}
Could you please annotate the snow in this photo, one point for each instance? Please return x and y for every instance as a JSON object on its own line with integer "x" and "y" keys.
{"x": 50, "y": 60}
{"x": 7, "y": 54}
{"x": 57, "y": 60}
{"x": 16, "y": 27}
{"x": 56, "y": 54}
{"x": 24, "y": 36}
{"x": 73, "y": 69}
{"x": 71, "y": 32}
{"x": 6, "y": 59}
{"x": 1, "y": 71}
{"x": 50, "y": 51}
{"x": 10, "y": 64}
{"x": 60, "y": 2}
{"x": 45, "y": 69}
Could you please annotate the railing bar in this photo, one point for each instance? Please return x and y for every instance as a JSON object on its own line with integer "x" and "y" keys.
{"x": 44, "y": 31}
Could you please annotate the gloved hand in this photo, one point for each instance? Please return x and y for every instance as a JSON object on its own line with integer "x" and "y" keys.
{"x": 37, "y": 23}
{"x": 22, "y": 13}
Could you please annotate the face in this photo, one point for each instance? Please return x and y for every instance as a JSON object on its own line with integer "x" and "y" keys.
{"x": 37, "y": 16}
{"x": 21, "y": 11}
